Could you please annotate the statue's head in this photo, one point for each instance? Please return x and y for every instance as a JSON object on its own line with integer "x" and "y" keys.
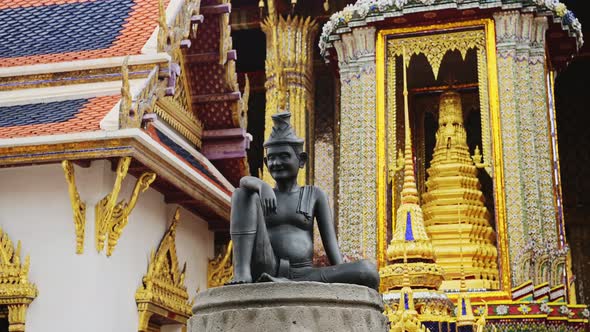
{"x": 284, "y": 150}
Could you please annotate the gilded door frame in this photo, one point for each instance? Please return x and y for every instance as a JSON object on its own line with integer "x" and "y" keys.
{"x": 498, "y": 165}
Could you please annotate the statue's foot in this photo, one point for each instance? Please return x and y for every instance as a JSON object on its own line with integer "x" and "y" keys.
{"x": 240, "y": 280}
{"x": 265, "y": 277}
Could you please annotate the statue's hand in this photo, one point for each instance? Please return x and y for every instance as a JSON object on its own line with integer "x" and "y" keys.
{"x": 268, "y": 200}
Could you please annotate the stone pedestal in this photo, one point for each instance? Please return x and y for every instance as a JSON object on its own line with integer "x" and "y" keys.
{"x": 289, "y": 307}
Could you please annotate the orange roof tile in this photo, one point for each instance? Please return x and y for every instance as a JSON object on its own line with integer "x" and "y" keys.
{"x": 87, "y": 118}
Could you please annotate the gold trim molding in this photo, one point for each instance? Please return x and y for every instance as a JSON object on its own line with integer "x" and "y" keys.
{"x": 163, "y": 292}
{"x": 16, "y": 292}
{"x": 112, "y": 217}
{"x": 78, "y": 207}
{"x": 489, "y": 44}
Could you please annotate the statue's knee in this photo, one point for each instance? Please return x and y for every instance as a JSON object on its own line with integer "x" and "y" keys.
{"x": 369, "y": 274}
{"x": 241, "y": 196}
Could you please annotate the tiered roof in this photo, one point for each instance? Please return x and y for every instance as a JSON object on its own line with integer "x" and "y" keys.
{"x": 73, "y": 72}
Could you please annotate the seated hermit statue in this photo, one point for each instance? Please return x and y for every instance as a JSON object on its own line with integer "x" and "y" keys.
{"x": 272, "y": 229}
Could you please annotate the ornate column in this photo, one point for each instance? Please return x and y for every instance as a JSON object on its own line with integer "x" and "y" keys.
{"x": 357, "y": 198}
{"x": 526, "y": 145}
{"x": 289, "y": 76}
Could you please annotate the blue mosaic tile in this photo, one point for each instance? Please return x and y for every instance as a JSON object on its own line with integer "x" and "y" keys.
{"x": 22, "y": 115}
{"x": 61, "y": 28}
{"x": 187, "y": 156}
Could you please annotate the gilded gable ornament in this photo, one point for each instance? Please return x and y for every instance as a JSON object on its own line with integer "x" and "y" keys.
{"x": 16, "y": 292}
{"x": 163, "y": 291}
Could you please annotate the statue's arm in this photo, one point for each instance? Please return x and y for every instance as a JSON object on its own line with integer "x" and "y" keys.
{"x": 251, "y": 183}
{"x": 268, "y": 199}
{"x": 326, "y": 227}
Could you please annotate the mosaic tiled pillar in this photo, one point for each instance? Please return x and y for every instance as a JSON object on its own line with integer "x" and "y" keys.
{"x": 357, "y": 196}
{"x": 525, "y": 139}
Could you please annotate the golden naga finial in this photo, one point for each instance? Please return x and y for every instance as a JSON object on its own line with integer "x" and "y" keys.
{"x": 175, "y": 219}
{"x": 163, "y": 32}
{"x": 126, "y": 98}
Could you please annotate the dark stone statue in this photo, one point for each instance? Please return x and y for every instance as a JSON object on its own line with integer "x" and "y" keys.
{"x": 272, "y": 229}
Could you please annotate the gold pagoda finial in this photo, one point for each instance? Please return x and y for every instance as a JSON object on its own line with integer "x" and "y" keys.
{"x": 409, "y": 192}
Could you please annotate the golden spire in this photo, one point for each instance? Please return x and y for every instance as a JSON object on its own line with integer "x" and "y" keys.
{"x": 409, "y": 193}
{"x": 409, "y": 240}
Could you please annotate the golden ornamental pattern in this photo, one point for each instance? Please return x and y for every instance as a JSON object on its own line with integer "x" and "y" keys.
{"x": 435, "y": 46}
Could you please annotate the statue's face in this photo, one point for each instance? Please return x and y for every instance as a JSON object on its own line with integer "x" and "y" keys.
{"x": 282, "y": 162}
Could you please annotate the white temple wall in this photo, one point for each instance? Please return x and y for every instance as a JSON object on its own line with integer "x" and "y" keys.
{"x": 91, "y": 292}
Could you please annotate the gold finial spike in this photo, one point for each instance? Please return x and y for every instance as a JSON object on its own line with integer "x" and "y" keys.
{"x": 409, "y": 192}
{"x": 326, "y": 6}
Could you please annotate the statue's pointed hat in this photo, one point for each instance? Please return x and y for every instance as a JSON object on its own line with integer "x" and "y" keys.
{"x": 282, "y": 131}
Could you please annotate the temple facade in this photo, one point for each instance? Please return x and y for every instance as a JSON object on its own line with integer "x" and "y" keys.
{"x": 434, "y": 127}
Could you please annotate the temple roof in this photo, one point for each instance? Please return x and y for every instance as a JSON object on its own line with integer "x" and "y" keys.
{"x": 86, "y": 79}
{"x": 36, "y": 31}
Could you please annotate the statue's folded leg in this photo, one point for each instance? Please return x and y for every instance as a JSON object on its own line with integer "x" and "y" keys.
{"x": 252, "y": 251}
{"x": 360, "y": 272}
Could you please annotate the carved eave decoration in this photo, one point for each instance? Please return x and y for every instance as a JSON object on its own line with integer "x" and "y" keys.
{"x": 16, "y": 292}
{"x": 163, "y": 293}
{"x": 113, "y": 216}
{"x": 408, "y": 12}
{"x": 78, "y": 206}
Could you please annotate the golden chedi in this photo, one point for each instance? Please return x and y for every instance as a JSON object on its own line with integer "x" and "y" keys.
{"x": 456, "y": 219}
